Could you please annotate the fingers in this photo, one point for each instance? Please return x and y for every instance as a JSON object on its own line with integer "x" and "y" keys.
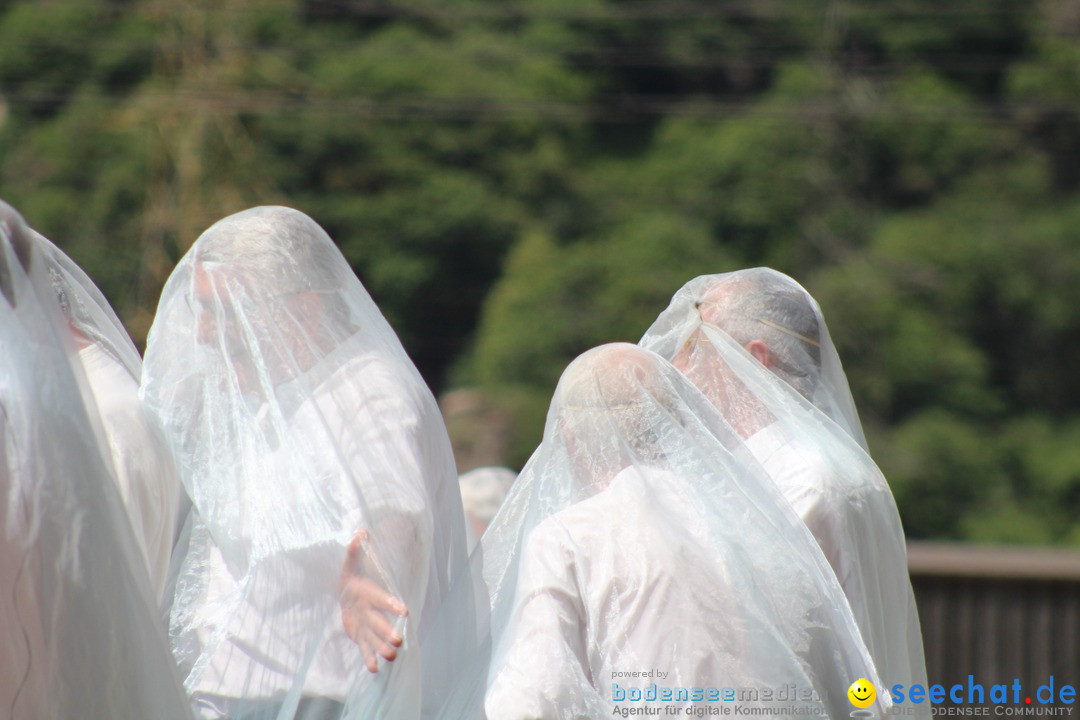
{"x": 379, "y": 628}
{"x": 364, "y": 608}
{"x": 353, "y": 554}
{"x": 367, "y": 606}
{"x": 370, "y": 661}
{"x": 375, "y": 636}
{"x": 376, "y": 647}
{"x": 367, "y": 596}
{"x": 380, "y": 599}
{"x": 356, "y": 546}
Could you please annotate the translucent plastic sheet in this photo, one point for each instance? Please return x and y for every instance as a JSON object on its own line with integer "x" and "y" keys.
{"x": 298, "y": 421}
{"x": 111, "y": 364}
{"x": 79, "y": 631}
{"x": 755, "y": 343}
{"x": 641, "y": 553}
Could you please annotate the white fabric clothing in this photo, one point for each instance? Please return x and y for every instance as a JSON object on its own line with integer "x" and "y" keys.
{"x": 603, "y": 591}
{"x": 642, "y": 536}
{"x": 80, "y": 634}
{"x": 142, "y": 468}
{"x": 144, "y": 471}
{"x": 297, "y": 421}
{"x": 265, "y": 633}
{"x": 855, "y": 524}
{"x": 815, "y": 456}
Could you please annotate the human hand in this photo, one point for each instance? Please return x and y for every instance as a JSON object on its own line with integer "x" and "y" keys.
{"x": 366, "y": 605}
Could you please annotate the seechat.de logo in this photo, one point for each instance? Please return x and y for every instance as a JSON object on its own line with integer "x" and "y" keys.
{"x": 862, "y": 695}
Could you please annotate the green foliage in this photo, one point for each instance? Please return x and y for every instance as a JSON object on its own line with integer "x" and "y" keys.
{"x": 1041, "y": 503}
{"x": 516, "y": 183}
{"x": 554, "y": 301}
{"x": 941, "y": 468}
{"x": 924, "y": 134}
{"x": 1045, "y": 91}
{"x": 46, "y": 52}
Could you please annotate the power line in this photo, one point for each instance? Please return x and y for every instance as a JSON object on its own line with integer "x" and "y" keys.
{"x": 651, "y": 10}
{"x": 645, "y": 10}
{"x": 599, "y": 55}
{"x": 624, "y": 107}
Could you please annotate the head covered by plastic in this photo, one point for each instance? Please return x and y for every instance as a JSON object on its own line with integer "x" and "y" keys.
{"x": 87, "y": 310}
{"x": 767, "y": 306}
{"x": 16, "y": 260}
{"x": 297, "y": 420}
{"x": 79, "y": 628}
{"x": 482, "y": 492}
{"x": 113, "y": 367}
{"x": 755, "y": 343}
{"x": 641, "y": 535}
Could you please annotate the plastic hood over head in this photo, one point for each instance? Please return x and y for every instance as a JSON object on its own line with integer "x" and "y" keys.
{"x": 763, "y": 303}
{"x": 86, "y": 308}
{"x": 298, "y": 421}
{"x": 80, "y": 634}
{"x": 642, "y": 536}
{"x": 144, "y": 471}
{"x": 756, "y": 345}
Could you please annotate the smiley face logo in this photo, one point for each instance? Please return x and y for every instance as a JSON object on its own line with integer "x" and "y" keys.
{"x": 861, "y": 693}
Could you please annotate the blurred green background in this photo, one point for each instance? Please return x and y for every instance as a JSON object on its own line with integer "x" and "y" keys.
{"x": 516, "y": 182}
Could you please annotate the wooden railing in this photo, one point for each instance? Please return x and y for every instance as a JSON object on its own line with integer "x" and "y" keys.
{"x": 998, "y": 613}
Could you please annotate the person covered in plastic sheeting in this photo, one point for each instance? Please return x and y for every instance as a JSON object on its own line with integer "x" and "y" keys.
{"x": 301, "y": 428}
{"x": 482, "y": 492}
{"x": 641, "y": 554}
{"x": 755, "y": 342}
{"x": 144, "y": 472}
{"x": 79, "y": 628}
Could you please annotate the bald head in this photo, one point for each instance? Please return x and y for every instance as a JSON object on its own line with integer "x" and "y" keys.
{"x": 611, "y": 398}
{"x": 609, "y": 377}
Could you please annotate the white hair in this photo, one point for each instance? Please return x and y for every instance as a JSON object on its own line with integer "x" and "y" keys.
{"x": 762, "y": 304}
